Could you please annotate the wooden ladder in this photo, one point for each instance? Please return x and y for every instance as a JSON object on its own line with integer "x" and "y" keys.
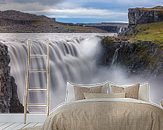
{"x": 36, "y": 89}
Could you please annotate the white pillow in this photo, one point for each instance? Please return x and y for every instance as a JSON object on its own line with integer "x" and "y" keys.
{"x": 70, "y": 95}
{"x": 144, "y": 91}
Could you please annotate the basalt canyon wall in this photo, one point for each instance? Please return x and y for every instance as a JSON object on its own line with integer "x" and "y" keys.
{"x": 141, "y": 57}
{"x": 4, "y": 79}
{"x": 9, "y": 101}
{"x": 145, "y": 15}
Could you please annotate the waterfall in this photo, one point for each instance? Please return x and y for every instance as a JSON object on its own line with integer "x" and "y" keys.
{"x": 120, "y": 30}
{"x": 115, "y": 56}
{"x": 72, "y": 58}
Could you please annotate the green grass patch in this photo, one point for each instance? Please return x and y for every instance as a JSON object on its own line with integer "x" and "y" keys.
{"x": 149, "y": 32}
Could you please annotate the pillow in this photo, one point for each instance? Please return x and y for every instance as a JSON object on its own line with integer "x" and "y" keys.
{"x": 130, "y": 91}
{"x": 103, "y": 95}
{"x": 144, "y": 92}
{"x": 161, "y": 103}
{"x": 70, "y": 95}
{"x": 79, "y": 91}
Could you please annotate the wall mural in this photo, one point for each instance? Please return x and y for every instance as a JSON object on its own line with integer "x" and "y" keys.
{"x": 123, "y": 56}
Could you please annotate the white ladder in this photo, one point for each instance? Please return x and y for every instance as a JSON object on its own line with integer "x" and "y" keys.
{"x": 36, "y": 89}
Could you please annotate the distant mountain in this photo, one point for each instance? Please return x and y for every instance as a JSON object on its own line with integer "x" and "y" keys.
{"x": 12, "y": 21}
{"x": 158, "y": 7}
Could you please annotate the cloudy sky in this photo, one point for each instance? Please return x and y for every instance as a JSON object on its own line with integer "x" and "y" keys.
{"x": 77, "y": 11}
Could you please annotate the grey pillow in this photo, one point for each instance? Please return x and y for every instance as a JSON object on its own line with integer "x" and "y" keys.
{"x": 79, "y": 91}
{"x": 130, "y": 92}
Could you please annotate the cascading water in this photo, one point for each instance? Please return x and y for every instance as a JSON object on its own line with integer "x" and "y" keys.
{"x": 115, "y": 56}
{"x": 72, "y": 58}
{"x": 120, "y": 30}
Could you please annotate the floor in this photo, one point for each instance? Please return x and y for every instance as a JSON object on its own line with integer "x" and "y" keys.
{"x": 15, "y": 121}
{"x": 17, "y": 126}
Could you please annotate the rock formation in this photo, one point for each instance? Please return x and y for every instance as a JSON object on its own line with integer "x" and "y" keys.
{"x": 145, "y": 15}
{"x": 4, "y": 79}
{"x": 9, "y": 101}
{"x": 141, "y": 57}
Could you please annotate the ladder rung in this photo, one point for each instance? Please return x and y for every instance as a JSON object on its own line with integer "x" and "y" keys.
{"x": 37, "y": 105}
{"x": 37, "y": 56}
{"x": 37, "y": 89}
{"x": 35, "y": 70}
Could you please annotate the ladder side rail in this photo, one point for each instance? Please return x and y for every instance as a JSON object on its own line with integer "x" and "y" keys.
{"x": 27, "y": 81}
{"x": 48, "y": 77}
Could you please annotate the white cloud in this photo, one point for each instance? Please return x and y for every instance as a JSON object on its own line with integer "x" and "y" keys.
{"x": 68, "y": 4}
{"x": 135, "y": 3}
{"x": 43, "y": 2}
{"x": 23, "y": 7}
{"x": 123, "y": 3}
{"x": 82, "y": 13}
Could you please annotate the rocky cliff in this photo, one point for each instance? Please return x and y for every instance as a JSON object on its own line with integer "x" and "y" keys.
{"x": 141, "y": 57}
{"x": 145, "y": 15}
{"x": 9, "y": 101}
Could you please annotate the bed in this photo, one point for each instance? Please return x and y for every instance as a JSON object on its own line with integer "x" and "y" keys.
{"x": 105, "y": 111}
